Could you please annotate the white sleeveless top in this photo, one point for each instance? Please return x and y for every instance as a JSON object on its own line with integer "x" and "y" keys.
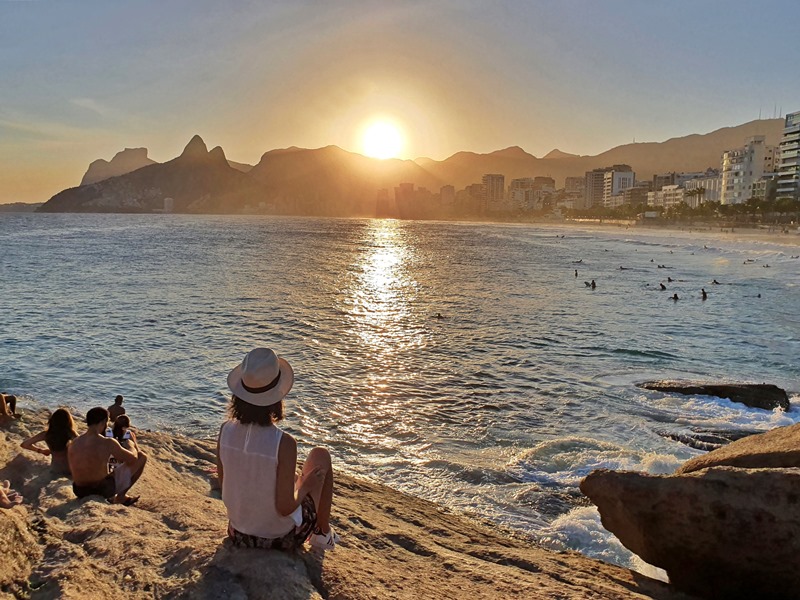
{"x": 249, "y": 456}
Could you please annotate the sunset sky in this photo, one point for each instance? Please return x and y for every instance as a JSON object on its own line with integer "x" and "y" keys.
{"x": 82, "y": 80}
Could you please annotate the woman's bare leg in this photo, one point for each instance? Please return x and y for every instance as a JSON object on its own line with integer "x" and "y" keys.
{"x": 322, "y": 494}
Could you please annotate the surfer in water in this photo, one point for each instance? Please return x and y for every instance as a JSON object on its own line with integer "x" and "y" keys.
{"x": 594, "y": 285}
{"x": 675, "y": 297}
{"x": 663, "y": 287}
{"x": 705, "y": 295}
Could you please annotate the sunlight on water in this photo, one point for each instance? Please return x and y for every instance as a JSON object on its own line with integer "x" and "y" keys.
{"x": 498, "y": 408}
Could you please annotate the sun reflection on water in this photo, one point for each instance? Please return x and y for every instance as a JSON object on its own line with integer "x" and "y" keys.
{"x": 384, "y": 291}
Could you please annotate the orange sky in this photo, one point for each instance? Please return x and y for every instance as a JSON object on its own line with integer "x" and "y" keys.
{"x": 82, "y": 82}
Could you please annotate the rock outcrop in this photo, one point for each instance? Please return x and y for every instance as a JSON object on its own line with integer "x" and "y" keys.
{"x": 725, "y": 525}
{"x": 755, "y": 395}
{"x": 172, "y": 543}
{"x": 126, "y": 161}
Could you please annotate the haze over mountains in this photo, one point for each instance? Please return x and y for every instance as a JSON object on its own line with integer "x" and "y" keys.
{"x": 332, "y": 181}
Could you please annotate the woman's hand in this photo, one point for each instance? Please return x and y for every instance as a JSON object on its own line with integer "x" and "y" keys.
{"x": 310, "y": 480}
{"x": 44, "y": 451}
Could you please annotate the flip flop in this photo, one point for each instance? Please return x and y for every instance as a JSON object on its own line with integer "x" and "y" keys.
{"x": 130, "y": 501}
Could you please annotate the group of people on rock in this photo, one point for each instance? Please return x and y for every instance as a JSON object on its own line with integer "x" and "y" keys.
{"x": 102, "y": 461}
{"x": 269, "y": 504}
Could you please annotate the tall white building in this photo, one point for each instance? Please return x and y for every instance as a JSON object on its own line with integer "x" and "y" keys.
{"x": 615, "y": 182}
{"x": 743, "y": 167}
{"x": 789, "y": 169}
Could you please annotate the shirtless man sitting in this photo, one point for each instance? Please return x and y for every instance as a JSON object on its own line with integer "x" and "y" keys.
{"x": 88, "y": 456}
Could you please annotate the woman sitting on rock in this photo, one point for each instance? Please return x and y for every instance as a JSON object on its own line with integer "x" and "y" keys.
{"x": 268, "y": 506}
{"x": 123, "y": 434}
{"x": 60, "y": 432}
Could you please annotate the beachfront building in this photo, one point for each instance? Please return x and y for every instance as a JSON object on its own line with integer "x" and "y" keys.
{"x": 788, "y": 185}
{"x": 743, "y": 167}
{"x": 705, "y": 187}
{"x": 766, "y": 187}
{"x": 573, "y": 186}
{"x": 615, "y": 182}
{"x": 593, "y": 188}
{"x": 494, "y": 192}
{"x": 669, "y": 196}
{"x": 447, "y": 197}
{"x": 596, "y": 184}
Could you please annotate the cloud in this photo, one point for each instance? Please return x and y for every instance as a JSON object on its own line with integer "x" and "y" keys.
{"x": 94, "y": 106}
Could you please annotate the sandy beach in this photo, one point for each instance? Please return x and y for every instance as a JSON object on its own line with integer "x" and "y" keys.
{"x": 172, "y": 543}
{"x": 706, "y": 232}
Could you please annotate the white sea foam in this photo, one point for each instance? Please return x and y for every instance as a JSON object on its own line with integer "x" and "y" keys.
{"x": 566, "y": 461}
{"x": 581, "y": 529}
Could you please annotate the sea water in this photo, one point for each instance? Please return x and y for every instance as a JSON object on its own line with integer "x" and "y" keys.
{"x": 498, "y": 408}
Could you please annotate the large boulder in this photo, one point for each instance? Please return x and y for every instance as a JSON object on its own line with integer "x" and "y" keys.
{"x": 725, "y": 525}
{"x": 755, "y": 395}
{"x": 719, "y": 533}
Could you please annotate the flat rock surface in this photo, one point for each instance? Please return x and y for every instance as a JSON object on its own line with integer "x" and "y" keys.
{"x": 172, "y": 543}
{"x": 778, "y": 448}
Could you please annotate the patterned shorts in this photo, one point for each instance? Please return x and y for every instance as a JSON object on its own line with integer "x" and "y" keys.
{"x": 291, "y": 541}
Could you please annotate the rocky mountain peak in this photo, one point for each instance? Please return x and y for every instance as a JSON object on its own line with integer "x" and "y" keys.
{"x": 196, "y": 148}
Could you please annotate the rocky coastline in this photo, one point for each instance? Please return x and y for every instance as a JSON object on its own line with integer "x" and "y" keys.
{"x": 172, "y": 543}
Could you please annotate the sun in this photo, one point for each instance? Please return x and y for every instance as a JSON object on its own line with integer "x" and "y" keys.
{"x": 382, "y": 139}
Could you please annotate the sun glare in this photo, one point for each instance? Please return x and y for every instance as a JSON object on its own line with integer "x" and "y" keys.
{"x": 382, "y": 139}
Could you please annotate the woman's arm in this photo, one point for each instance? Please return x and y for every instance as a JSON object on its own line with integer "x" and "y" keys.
{"x": 29, "y": 444}
{"x": 286, "y": 498}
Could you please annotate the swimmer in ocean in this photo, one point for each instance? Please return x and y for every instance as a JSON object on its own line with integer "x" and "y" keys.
{"x": 675, "y": 297}
{"x": 705, "y": 295}
{"x": 663, "y": 287}
{"x": 715, "y": 282}
{"x": 594, "y": 285}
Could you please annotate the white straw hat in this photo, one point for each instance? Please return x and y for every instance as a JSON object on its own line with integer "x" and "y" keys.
{"x": 262, "y": 379}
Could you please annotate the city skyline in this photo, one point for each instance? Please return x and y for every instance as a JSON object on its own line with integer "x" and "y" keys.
{"x": 84, "y": 82}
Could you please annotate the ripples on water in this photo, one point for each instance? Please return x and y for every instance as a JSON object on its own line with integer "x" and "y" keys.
{"x": 499, "y": 408}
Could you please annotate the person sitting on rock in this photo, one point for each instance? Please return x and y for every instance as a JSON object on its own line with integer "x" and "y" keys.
{"x": 8, "y": 497}
{"x": 88, "y": 456}
{"x": 123, "y": 434}
{"x": 116, "y": 409}
{"x": 8, "y": 407}
{"x": 268, "y": 505}
{"x": 59, "y": 433}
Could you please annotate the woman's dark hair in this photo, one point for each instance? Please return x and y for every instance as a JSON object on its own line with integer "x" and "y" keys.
{"x": 246, "y": 413}
{"x": 60, "y": 430}
{"x": 122, "y": 422}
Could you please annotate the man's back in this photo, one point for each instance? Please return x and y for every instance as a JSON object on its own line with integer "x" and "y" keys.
{"x": 115, "y": 410}
{"x": 88, "y": 456}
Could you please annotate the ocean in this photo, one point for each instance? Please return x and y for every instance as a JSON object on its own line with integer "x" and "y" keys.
{"x": 498, "y": 408}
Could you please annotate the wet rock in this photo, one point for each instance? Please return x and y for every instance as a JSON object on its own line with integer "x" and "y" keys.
{"x": 755, "y": 395}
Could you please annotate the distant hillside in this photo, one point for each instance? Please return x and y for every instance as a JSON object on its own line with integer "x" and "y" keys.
{"x": 331, "y": 180}
{"x": 689, "y": 153}
{"x": 20, "y": 207}
{"x": 559, "y": 154}
{"x": 197, "y": 181}
{"x": 123, "y": 162}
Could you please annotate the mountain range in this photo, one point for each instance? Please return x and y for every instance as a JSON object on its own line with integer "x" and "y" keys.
{"x": 332, "y": 181}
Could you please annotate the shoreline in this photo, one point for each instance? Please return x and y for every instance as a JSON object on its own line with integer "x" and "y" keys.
{"x": 172, "y": 543}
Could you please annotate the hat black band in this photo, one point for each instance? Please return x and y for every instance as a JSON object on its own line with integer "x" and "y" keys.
{"x": 266, "y": 388}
